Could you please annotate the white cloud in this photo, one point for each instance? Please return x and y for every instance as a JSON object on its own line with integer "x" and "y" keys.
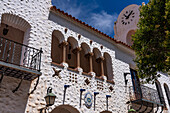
{"x": 75, "y": 8}
{"x": 67, "y": 6}
{"x": 74, "y": 11}
{"x": 103, "y": 21}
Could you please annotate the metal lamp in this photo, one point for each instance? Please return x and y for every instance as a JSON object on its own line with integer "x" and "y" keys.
{"x": 50, "y": 97}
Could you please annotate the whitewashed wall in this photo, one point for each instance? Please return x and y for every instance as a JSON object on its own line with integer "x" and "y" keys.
{"x": 43, "y": 23}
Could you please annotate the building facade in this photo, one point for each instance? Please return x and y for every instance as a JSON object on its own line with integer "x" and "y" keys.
{"x": 88, "y": 71}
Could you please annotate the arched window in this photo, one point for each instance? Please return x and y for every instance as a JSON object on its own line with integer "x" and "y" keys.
{"x": 167, "y": 93}
{"x": 71, "y": 57}
{"x": 56, "y": 50}
{"x": 96, "y": 65}
{"x": 129, "y": 37}
{"x": 108, "y": 70}
{"x": 160, "y": 93}
{"x": 84, "y": 59}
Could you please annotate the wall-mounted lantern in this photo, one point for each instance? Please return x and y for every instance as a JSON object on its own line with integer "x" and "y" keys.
{"x": 50, "y": 97}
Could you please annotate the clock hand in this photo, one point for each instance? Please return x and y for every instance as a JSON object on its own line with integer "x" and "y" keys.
{"x": 125, "y": 15}
{"x": 129, "y": 14}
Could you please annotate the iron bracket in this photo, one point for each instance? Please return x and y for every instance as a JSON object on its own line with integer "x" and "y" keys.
{"x": 81, "y": 92}
{"x": 65, "y": 88}
{"x": 3, "y": 73}
{"x": 35, "y": 87}
{"x": 95, "y": 93}
{"x": 2, "y": 76}
{"x": 126, "y": 80}
{"x": 107, "y": 105}
{"x": 16, "y": 89}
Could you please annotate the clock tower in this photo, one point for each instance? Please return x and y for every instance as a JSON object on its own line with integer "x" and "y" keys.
{"x": 126, "y": 24}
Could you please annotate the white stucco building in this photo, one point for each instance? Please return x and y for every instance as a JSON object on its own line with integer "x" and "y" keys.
{"x": 77, "y": 61}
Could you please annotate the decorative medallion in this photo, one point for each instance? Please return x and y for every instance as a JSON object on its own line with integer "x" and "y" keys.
{"x": 88, "y": 98}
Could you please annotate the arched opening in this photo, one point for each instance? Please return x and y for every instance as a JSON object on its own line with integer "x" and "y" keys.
{"x": 167, "y": 92}
{"x": 108, "y": 70}
{"x": 96, "y": 64}
{"x": 106, "y": 112}
{"x": 65, "y": 109}
{"x": 129, "y": 37}
{"x": 56, "y": 49}
{"x": 71, "y": 57}
{"x": 17, "y": 28}
{"x": 14, "y": 29}
{"x": 84, "y": 60}
{"x": 160, "y": 93}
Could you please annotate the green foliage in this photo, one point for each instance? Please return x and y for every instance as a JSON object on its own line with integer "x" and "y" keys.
{"x": 152, "y": 40}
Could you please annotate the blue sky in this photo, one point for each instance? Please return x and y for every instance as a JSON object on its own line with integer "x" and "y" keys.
{"x": 100, "y": 14}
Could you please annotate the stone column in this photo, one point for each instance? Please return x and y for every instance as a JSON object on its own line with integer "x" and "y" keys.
{"x": 100, "y": 60}
{"x": 77, "y": 52}
{"x": 89, "y": 55}
{"x": 64, "y": 45}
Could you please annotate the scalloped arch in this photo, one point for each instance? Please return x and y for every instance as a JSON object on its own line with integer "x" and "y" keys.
{"x": 73, "y": 42}
{"x": 86, "y": 47}
{"x": 58, "y": 34}
{"x": 97, "y": 53}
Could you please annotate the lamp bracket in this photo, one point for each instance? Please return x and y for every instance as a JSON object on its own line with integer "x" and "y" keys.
{"x": 49, "y": 90}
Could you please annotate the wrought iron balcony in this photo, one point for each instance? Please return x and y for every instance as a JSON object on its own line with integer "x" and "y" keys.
{"x": 19, "y": 60}
{"x": 145, "y": 96}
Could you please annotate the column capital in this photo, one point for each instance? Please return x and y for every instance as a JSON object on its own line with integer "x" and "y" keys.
{"x": 100, "y": 59}
{"x": 64, "y": 43}
{"x": 89, "y": 54}
{"x": 77, "y": 49}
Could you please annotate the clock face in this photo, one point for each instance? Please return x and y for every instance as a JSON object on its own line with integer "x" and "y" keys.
{"x": 127, "y": 17}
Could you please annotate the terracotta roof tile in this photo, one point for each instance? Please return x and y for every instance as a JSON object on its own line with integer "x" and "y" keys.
{"x": 53, "y": 8}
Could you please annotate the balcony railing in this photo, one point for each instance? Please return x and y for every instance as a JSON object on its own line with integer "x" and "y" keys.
{"x": 144, "y": 93}
{"x": 16, "y": 57}
{"x": 20, "y": 54}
